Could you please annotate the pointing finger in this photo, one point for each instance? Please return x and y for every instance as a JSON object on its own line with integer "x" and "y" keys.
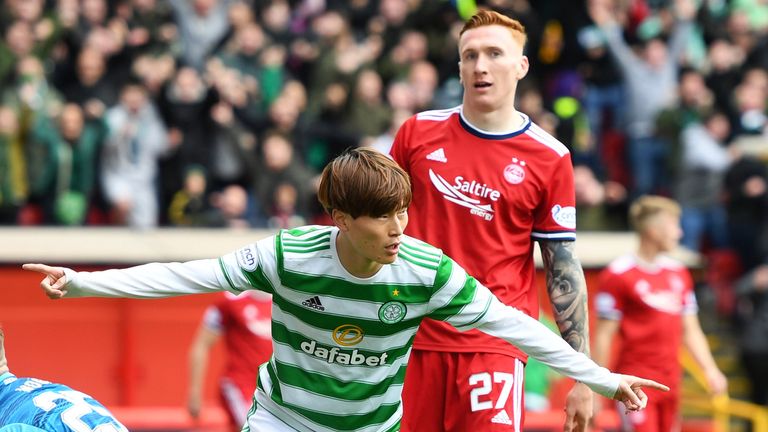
{"x": 44, "y": 269}
{"x": 650, "y": 384}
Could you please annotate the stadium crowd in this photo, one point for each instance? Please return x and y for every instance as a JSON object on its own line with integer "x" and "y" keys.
{"x": 221, "y": 112}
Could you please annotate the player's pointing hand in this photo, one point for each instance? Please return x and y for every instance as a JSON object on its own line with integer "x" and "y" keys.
{"x": 630, "y": 391}
{"x": 54, "y": 281}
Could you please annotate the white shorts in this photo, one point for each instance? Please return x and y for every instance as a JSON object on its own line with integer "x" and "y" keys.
{"x": 263, "y": 421}
{"x": 264, "y": 417}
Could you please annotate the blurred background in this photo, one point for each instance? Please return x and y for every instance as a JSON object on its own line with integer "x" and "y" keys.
{"x": 124, "y": 118}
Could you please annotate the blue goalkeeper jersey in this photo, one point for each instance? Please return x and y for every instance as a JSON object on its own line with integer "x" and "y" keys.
{"x": 51, "y": 407}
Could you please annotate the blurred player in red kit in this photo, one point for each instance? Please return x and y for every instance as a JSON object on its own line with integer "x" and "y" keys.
{"x": 244, "y": 322}
{"x": 648, "y": 299}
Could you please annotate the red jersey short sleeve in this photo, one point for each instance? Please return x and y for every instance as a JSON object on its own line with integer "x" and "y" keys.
{"x": 649, "y": 300}
{"x": 484, "y": 198}
{"x": 555, "y": 217}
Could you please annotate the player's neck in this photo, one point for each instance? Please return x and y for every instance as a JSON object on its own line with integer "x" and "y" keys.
{"x": 648, "y": 252}
{"x": 355, "y": 264}
{"x": 497, "y": 121}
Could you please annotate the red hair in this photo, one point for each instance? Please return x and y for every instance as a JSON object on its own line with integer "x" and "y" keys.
{"x": 486, "y": 17}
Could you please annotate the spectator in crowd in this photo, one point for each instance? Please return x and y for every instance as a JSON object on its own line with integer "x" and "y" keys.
{"x": 600, "y": 206}
{"x": 694, "y": 101}
{"x": 244, "y": 53}
{"x": 328, "y": 135}
{"x": 276, "y": 18}
{"x": 232, "y": 209}
{"x": 240, "y": 15}
{"x": 25, "y": 11}
{"x": 412, "y": 48}
{"x": 18, "y": 42}
{"x": 68, "y": 177}
{"x": 725, "y": 62}
{"x": 111, "y": 43}
{"x": 32, "y": 93}
{"x": 650, "y": 80}
{"x": 234, "y": 149}
{"x": 368, "y": 115}
{"x": 36, "y": 405}
{"x": 94, "y": 14}
{"x": 422, "y": 79}
{"x": 751, "y": 101}
{"x": 185, "y": 106}
{"x": 189, "y": 206}
{"x": 137, "y": 138}
{"x": 243, "y": 321}
{"x": 647, "y": 298}
{"x": 285, "y": 214}
{"x": 705, "y": 158}
{"x": 154, "y": 72}
{"x": 399, "y": 96}
{"x": 280, "y": 165}
{"x": 151, "y": 29}
{"x": 202, "y": 24}
{"x": 93, "y": 88}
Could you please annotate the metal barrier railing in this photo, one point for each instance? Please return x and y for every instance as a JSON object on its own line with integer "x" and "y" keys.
{"x": 722, "y": 407}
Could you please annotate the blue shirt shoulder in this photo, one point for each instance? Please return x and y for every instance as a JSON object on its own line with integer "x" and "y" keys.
{"x": 52, "y": 407}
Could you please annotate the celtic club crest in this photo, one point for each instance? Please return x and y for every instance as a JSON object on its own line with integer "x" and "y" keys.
{"x": 392, "y": 312}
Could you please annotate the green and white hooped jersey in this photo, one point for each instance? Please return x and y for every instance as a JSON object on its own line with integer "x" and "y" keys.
{"x": 341, "y": 343}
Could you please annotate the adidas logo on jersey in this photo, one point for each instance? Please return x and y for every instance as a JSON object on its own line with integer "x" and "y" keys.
{"x": 313, "y": 302}
{"x": 438, "y": 155}
{"x": 502, "y": 418}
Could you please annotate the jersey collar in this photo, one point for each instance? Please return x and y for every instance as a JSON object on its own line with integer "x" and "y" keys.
{"x": 476, "y": 131}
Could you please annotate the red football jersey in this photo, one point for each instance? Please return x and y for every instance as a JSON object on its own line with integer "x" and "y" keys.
{"x": 484, "y": 198}
{"x": 245, "y": 323}
{"x": 649, "y": 300}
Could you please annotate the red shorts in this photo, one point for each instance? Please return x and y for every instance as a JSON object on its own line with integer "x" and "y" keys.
{"x": 446, "y": 391}
{"x": 662, "y": 414}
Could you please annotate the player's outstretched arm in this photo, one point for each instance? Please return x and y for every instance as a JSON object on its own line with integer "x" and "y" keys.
{"x": 54, "y": 282}
{"x": 631, "y": 394}
{"x": 153, "y": 280}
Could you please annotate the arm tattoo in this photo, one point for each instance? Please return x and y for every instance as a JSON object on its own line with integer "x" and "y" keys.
{"x": 567, "y": 290}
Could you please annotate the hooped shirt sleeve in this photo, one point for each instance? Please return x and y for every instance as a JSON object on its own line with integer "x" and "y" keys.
{"x": 455, "y": 297}
{"x": 251, "y": 267}
{"x": 555, "y": 217}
